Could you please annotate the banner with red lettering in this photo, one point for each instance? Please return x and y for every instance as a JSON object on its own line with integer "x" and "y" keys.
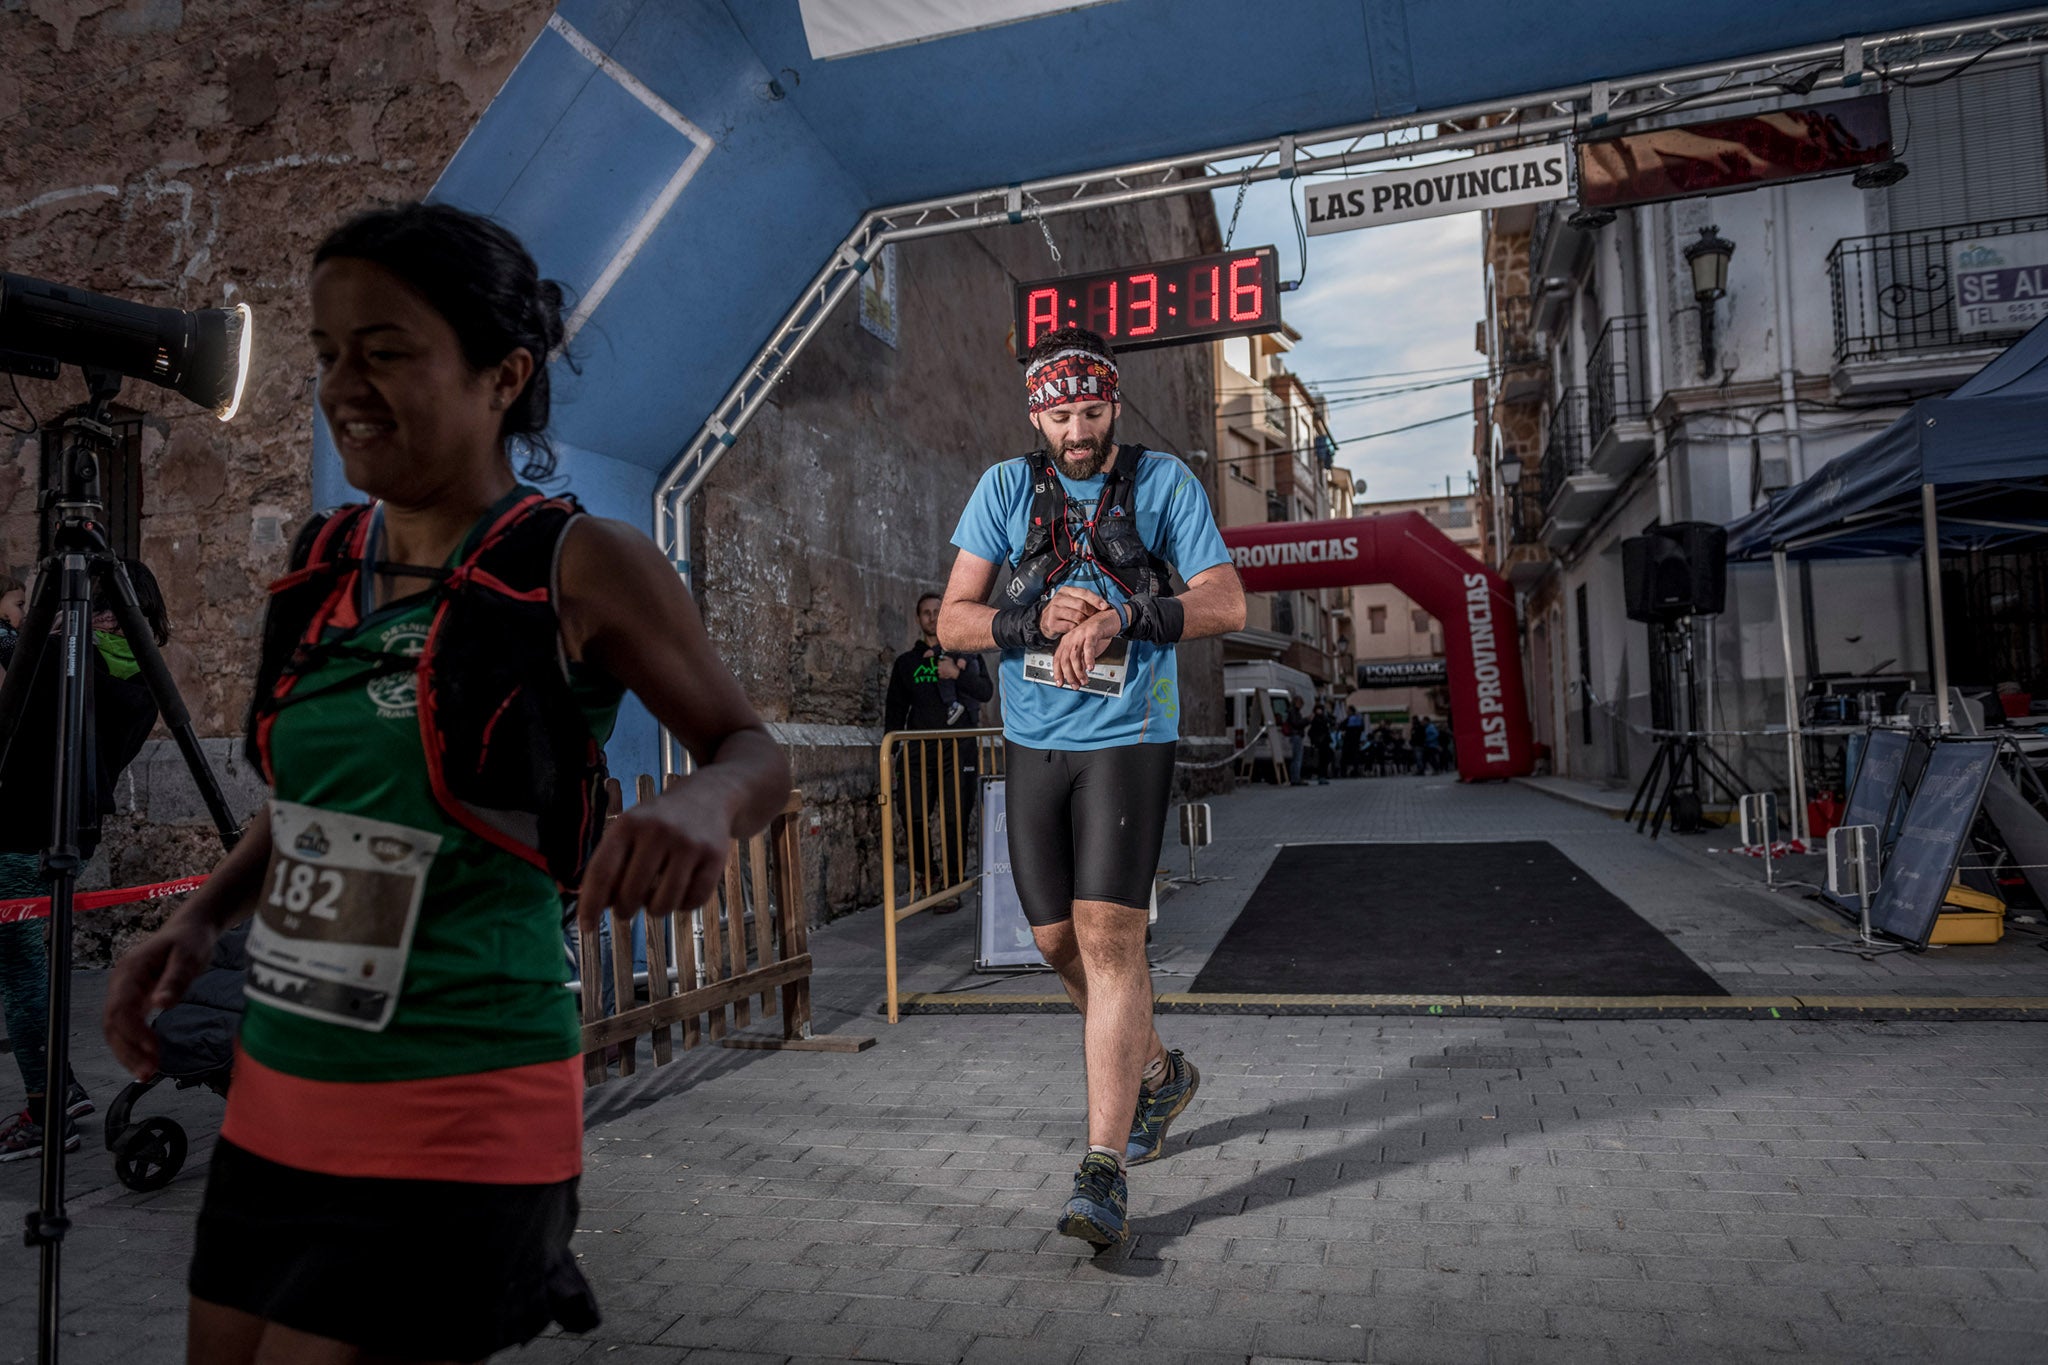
{"x": 1482, "y": 646}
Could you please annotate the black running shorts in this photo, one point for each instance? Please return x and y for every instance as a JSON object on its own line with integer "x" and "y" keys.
{"x": 1085, "y": 824}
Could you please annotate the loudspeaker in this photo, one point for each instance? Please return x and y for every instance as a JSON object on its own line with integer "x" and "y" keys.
{"x": 1675, "y": 571}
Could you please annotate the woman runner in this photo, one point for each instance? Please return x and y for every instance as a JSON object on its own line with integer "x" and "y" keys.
{"x": 396, "y": 1173}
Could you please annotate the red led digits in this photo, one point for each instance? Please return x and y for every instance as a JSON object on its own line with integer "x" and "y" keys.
{"x": 1206, "y": 288}
{"x": 1041, "y": 315}
{"x": 1156, "y": 303}
{"x": 1253, "y": 298}
{"x": 1102, "y": 307}
{"x": 1142, "y": 308}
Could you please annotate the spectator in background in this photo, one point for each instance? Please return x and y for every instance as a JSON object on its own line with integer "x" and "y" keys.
{"x": 1319, "y": 743}
{"x": 124, "y": 713}
{"x": 932, "y": 689}
{"x": 1418, "y": 753}
{"x": 1433, "y": 745}
{"x": 1351, "y": 746}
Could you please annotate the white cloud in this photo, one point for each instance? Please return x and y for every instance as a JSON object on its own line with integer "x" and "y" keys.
{"x": 1381, "y": 301}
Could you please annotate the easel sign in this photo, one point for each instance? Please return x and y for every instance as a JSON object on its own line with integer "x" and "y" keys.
{"x": 1937, "y": 824}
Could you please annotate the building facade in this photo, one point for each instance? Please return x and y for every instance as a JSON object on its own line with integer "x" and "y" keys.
{"x": 1619, "y": 399}
{"x": 1275, "y": 461}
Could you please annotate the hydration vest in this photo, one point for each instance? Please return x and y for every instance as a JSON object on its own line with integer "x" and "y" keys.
{"x": 1052, "y": 552}
{"x": 509, "y": 752}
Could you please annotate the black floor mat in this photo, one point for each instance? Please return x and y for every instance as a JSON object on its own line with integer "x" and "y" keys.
{"x": 1442, "y": 919}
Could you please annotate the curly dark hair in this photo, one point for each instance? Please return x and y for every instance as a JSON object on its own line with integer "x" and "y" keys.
{"x": 482, "y": 279}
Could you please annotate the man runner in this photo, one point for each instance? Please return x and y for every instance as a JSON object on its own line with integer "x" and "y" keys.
{"x": 1091, "y": 712}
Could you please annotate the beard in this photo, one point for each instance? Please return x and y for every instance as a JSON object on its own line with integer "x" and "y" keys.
{"x": 1085, "y": 459}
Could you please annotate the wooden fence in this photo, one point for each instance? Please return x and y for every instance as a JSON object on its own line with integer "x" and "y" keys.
{"x": 706, "y": 969}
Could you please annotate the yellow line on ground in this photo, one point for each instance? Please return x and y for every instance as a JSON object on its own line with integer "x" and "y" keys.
{"x": 1366, "y": 1003}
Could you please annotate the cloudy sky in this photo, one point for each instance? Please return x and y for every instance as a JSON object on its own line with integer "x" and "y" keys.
{"x": 1383, "y": 301}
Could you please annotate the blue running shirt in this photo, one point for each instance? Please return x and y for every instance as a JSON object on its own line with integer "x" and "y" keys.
{"x": 1175, "y": 522}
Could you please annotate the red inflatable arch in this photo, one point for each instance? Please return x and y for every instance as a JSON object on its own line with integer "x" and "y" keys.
{"x": 1481, "y": 653}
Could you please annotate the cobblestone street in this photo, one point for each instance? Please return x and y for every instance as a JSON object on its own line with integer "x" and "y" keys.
{"x": 1344, "y": 1189}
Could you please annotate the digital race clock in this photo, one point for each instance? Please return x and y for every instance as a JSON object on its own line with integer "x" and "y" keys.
{"x": 1232, "y": 293}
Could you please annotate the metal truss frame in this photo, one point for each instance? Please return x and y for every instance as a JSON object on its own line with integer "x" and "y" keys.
{"x": 1545, "y": 115}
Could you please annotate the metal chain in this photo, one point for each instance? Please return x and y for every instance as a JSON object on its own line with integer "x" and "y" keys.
{"x": 1242, "y": 185}
{"x": 1050, "y": 245}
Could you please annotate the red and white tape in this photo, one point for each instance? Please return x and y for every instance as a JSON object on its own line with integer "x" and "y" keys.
{"x": 38, "y": 907}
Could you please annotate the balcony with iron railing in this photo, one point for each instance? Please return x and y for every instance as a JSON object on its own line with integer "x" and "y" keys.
{"x": 1619, "y": 398}
{"x": 1564, "y": 443}
{"x": 1518, "y": 355}
{"x": 1573, "y": 490}
{"x": 1525, "y": 559}
{"x": 1898, "y": 326}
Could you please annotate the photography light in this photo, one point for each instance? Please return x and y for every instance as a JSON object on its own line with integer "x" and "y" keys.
{"x": 202, "y": 354}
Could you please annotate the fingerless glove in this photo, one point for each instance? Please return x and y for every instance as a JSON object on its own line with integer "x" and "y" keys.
{"x": 1158, "y": 619}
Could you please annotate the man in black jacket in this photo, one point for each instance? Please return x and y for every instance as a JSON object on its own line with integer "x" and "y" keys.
{"x": 931, "y": 689}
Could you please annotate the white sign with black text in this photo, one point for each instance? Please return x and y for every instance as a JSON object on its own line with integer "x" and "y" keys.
{"x": 1527, "y": 175}
{"x": 2001, "y": 283}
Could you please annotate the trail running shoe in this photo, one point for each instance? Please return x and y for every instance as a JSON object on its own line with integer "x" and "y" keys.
{"x": 23, "y": 1138}
{"x": 1096, "y": 1212}
{"x": 1157, "y": 1108}
{"x": 77, "y": 1104}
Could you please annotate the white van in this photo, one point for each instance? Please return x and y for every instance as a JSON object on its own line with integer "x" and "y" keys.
{"x": 1252, "y": 693}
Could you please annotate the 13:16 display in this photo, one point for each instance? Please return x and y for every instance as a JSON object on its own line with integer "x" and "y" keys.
{"x": 1231, "y": 293}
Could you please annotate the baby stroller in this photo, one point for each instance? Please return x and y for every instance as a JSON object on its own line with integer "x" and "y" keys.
{"x": 195, "y": 1046}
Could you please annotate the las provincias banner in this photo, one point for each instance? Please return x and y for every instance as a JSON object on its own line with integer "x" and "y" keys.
{"x": 1482, "y": 649}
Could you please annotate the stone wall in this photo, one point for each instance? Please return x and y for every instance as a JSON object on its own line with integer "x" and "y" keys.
{"x": 192, "y": 155}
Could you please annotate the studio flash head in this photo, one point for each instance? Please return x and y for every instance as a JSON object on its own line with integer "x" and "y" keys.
{"x": 202, "y": 353}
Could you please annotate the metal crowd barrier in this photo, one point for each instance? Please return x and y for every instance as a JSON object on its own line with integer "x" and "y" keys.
{"x": 703, "y": 969}
{"x": 921, "y": 774}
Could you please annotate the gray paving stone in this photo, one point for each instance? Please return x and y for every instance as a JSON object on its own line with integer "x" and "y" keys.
{"x": 1733, "y": 1182}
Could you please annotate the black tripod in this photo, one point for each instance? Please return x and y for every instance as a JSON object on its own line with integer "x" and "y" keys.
{"x": 1682, "y": 764}
{"x": 63, "y": 596}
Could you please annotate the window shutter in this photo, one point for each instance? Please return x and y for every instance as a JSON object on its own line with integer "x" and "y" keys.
{"x": 1974, "y": 147}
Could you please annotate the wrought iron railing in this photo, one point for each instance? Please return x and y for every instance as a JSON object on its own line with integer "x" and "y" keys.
{"x": 1892, "y": 291}
{"x": 1564, "y": 448}
{"x": 1616, "y": 375}
{"x": 1525, "y": 516}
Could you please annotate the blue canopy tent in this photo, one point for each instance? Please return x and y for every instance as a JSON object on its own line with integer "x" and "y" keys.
{"x": 1964, "y": 472}
{"x": 710, "y": 178}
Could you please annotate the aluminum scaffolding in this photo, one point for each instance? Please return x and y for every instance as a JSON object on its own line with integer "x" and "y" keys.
{"x": 1537, "y": 117}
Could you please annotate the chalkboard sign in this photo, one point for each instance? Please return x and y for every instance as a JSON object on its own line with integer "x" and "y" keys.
{"x": 1937, "y": 823}
{"x": 1877, "y": 779}
{"x": 1005, "y": 935}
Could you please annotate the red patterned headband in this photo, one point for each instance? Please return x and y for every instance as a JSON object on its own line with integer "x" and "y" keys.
{"x": 1070, "y": 376}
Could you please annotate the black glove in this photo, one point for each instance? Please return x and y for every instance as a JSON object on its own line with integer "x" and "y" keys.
{"x": 1017, "y": 628}
{"x": 1158, "y": 619}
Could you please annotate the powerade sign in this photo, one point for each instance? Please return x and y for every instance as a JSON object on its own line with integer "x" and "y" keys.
{"x": 1407, "y": 673}
{"x": 1527, "y": 175}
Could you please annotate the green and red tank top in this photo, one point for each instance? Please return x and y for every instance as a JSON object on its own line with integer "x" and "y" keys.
{"x": 476, "y": 1073}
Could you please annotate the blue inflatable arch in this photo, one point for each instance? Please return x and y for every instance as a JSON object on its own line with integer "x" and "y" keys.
{"x": 710, "y": 177}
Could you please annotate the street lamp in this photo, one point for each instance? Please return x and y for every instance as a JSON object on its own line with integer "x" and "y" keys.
{"x": 1510, "y": 472}
{"x": 1707, "y": 258}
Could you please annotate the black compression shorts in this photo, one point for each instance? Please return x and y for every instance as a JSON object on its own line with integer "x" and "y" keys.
{"x": 1085, "y": 825}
